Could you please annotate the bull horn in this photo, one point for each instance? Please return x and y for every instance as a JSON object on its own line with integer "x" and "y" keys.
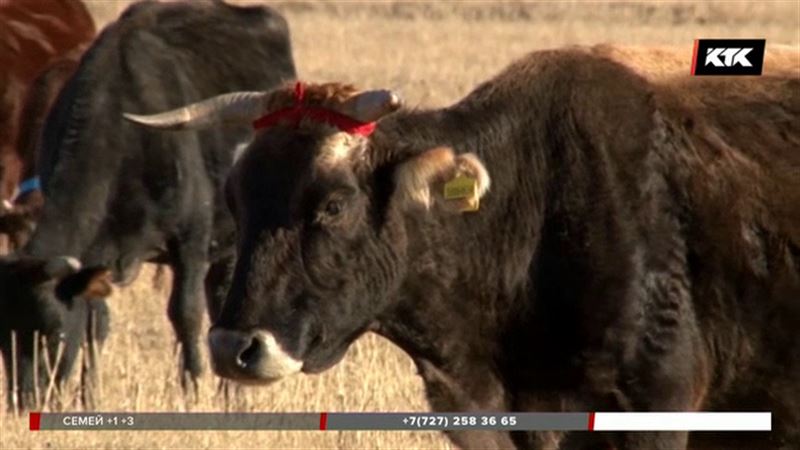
{"x": 236, "y": 108}
{"x": 61, "y": 266}
{"x": 369, "y": 106}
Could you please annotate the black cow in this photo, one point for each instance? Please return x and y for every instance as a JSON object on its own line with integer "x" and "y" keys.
{"x": 639, "y": 249}
{"x": 118, "y": 195}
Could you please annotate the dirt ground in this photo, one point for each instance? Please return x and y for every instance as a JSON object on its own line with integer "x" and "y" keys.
{"x": 433, "y": 53}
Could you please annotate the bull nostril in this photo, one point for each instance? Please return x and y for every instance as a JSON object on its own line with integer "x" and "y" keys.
{"x": 249, "y": 354}
{"x": 316, "y": 340}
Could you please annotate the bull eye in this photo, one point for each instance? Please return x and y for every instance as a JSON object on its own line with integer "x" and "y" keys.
{"x": 333, "y": 207}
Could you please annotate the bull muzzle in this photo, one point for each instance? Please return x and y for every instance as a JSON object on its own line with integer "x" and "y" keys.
{"x": 250, "y": 356}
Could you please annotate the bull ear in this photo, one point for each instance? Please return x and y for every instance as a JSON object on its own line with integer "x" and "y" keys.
{"x": 88, "y": 283}
{"x": 439, "y": 176}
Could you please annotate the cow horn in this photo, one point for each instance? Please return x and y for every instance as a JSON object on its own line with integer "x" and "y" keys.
{"x": 369, "y": 106}
{"x": 61, "y": 266}
{"x": 236, "y": 108}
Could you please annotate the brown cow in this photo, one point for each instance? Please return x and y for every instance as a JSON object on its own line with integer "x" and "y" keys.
{"x": 33, "y": 36}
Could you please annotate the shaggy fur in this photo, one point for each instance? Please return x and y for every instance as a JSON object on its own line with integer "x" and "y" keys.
{"x": 639, "y": 249}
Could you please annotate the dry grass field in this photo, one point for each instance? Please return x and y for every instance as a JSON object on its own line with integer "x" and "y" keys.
{"x": 433, "y": 53}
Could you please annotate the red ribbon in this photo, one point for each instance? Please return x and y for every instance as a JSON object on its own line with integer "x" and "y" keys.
{"x": 294, "y": 114}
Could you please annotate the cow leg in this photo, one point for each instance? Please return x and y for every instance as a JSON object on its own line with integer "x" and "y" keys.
{"x": 62, "y": 351}
{"x": 658, "y": 392}
{"x": 22, "y": 385}
{"x": 18, "y": 365}
{"x": 667, "y": 374}
{"x": 88, "y": 377}
{"x": 217, "y": 282}
{"x": 446, "y": 394}
{"x": 97, "y": 327}
{"x": 24, "y": 397}
{"x": 186, "y": 302}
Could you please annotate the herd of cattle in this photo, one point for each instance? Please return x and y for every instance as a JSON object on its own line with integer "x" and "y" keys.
{"x": 639, "y": 248}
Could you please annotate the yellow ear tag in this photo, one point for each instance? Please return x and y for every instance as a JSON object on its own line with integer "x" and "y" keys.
{"x": 463, "y": 189}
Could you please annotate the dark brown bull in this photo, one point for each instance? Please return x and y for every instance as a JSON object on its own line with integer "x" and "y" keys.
{"x": 639, "y": 249}
{"x": 33, "y": 36}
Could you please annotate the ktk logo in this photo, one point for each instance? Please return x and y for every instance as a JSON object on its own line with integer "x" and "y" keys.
{"x": 732, "y": 57}
{"x": 728, "y": 56}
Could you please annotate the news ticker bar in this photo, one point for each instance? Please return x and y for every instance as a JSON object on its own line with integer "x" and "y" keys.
{"x": 599, "y": 421}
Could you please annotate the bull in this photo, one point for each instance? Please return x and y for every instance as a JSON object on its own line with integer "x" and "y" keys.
{"x": 585, "y": 231}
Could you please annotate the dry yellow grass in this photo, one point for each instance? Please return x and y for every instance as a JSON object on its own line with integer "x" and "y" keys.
{"x": 433, "y": 53}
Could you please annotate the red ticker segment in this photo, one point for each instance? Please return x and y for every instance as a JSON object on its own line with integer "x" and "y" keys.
{"x": 34, "y": 421}
{"x": 600, "y": 421}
